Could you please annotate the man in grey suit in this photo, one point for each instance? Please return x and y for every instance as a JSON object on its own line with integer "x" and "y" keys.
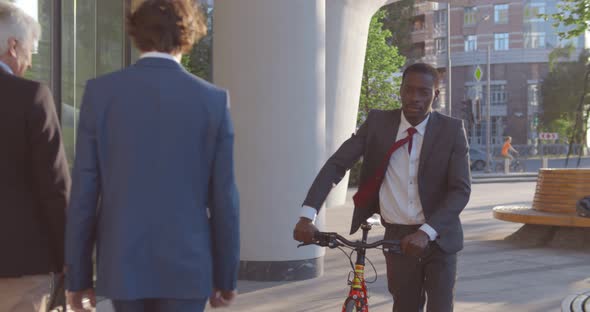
{"x": 419, "y": 186}
{"x": 153, "y": 182}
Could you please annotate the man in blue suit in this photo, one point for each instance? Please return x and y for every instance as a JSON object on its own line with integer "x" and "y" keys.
{"x": 153, "y": 181}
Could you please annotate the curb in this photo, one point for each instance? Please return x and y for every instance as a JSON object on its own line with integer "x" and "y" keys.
{"x": 504, "y": 178}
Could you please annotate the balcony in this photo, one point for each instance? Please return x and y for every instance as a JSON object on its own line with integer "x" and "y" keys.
{"x": 422, "y": 8}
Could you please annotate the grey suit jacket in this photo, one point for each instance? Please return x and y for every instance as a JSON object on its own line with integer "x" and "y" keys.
{"x": 444, "y": 179}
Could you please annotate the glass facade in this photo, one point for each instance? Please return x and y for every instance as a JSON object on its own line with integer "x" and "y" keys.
{"x": 92, "y": 43}
{"x": 80, "y": 40}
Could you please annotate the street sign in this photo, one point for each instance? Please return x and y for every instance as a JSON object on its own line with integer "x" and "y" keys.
{"x": 548, "y": 136}
{"x": 478, "y": 73}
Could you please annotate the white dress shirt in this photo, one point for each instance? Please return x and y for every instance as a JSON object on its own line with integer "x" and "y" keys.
{"x": 159, "y": 55}
{"x": 398, "y": 197}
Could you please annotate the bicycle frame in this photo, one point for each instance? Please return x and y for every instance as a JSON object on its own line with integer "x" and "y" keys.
{"x": 358, "y": 287}
{"x": 358, "y": 294}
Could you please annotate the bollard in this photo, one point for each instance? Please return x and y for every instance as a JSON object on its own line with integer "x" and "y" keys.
{"x": 506, "y": 165}
{"x": 544, "y": 162}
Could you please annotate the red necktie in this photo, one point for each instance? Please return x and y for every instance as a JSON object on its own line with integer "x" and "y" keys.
{"x": 371, "y": 186}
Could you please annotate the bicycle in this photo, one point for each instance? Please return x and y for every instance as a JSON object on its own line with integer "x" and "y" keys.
{"x": 515, "y": 166}
{"x": 357, "y": 300}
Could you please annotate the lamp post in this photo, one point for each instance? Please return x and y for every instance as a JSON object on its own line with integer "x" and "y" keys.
{"x": 449, "y": 102}
{"x": 489, "y": 113}
{"x": 488, "y": 99}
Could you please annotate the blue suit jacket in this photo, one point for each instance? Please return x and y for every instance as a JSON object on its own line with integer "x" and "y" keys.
{"x": 154, "y": 151}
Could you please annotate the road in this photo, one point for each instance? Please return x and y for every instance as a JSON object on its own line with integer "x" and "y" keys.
{"x": 534, "y": 164}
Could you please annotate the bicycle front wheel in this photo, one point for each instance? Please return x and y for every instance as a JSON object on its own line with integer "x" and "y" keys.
{"x": 519, "y": 167}
{"x": 350, "y": 306}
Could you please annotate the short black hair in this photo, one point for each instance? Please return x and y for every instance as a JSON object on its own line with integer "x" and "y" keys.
{"x": 423, "y": 68}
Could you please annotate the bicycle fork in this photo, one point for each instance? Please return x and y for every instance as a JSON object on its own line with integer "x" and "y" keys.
{"x": 358, "y": 287}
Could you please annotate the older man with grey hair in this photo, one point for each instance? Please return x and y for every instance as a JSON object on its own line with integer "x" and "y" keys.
{"x": 34, "y": 178}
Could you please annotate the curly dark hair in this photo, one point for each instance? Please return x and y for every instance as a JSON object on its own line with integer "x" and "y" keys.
{"x": 170, "y": 26}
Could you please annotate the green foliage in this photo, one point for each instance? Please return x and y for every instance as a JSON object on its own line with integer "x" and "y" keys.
{"x": 382, "y": 61}
{"x": 563, "y": 126}
{"x": 399, "y": 20}
{"x": 561, "y": 91}
{"x": 574, "y": 14}
{"x": 198, "y": 61}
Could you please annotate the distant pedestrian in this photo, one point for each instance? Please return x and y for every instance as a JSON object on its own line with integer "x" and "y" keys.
{"x": 507, "y": 148}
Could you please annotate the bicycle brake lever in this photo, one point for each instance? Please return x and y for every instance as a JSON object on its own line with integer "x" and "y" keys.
{"x": 307, "y": 244}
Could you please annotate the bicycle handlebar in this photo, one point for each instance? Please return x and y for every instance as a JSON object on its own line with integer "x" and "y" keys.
{"x": 334, "y": 240}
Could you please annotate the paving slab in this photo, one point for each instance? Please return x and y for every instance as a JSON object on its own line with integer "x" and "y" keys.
{"x": 493, "y": 274}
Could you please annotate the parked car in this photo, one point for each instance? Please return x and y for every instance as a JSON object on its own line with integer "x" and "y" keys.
{"x": 478, "y": 159}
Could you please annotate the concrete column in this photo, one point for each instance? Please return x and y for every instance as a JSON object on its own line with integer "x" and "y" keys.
{"x": 347, "y": 29}
{"x": 270, "y": 54}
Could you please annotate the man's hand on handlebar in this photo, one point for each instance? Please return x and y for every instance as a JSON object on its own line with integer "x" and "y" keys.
{"x": 304, "y": 230}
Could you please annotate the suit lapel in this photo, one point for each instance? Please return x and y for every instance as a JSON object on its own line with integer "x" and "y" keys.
{"x": 429, "y": 140}
{"x": 389, "y": 130}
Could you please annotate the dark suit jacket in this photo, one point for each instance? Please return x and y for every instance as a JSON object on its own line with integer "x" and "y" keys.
{"x": 444, "y": 179}
{"x": 34, "y": 180}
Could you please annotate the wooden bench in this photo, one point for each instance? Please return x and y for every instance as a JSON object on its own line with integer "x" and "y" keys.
{"x": 556, "y": 195}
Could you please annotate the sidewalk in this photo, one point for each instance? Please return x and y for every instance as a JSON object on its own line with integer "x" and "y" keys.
{"x": 511, "y": 177}
{"x": 492, "y": 274}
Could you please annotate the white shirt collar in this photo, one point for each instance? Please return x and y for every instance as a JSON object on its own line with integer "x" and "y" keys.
{"x": 6, "y": 68}
{"x": 159, "y": 55}
{"x": 404, "y": 124}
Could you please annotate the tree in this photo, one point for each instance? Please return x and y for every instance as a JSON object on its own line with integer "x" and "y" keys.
{"x": 573, "y": 16}
{"x": 382, "y": 61}
{"x": 399, "y": 21}
{"x": 560, "y": 90}
{"x": 198, "y": 61}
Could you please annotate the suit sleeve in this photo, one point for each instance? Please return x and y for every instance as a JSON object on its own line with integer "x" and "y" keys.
{"x": 335, "y": 168}
{"x": 50, "y": 169}
{"x": 224, "y": 207}
{"x": 459, "y": 185}
{"x": 81, "y": 215}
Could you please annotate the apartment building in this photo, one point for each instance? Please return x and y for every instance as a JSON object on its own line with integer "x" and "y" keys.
{"x": 519, "y": 43}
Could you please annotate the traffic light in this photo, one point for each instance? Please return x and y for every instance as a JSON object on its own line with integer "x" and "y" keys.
{"x": 477, "y": 110}
{"x": 467, "y": 111}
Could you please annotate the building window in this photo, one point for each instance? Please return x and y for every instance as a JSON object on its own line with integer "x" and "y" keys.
{"x": 418, "y": 24}
{"x": 440, "y": 20}
{"x": 532, "y": 12}
{"x": 440, "y": 45}
{"x": 470, "y": 43}
{"x": 501, "y": 13}
{"x": 533, "y": 95}
{"x": 498, "y": 95}
{"x": 563, "y": 42}
{"x": 534, "y": 40}
{"x": 498, "y": 129}
{"x": 501, "y": 41}
{"x": 469, "y": 16}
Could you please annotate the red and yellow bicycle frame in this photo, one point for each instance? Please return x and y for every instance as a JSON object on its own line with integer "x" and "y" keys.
{"x": 358, "y": 290}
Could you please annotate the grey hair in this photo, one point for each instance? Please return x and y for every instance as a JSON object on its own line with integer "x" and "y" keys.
{"x": 15, "y": 23}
